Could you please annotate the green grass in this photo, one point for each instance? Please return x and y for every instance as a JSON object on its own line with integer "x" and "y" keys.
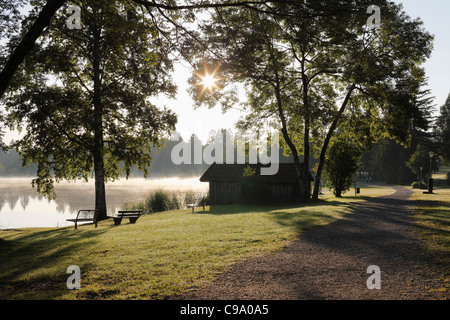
{"x": 163, "y": 254}
{"x": 432, "y": 219}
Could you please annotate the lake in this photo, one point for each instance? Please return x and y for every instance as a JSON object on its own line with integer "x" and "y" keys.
{"x": 22, "y": 207}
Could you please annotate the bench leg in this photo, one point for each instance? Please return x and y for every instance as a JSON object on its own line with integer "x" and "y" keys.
{"x": 117, "y": 221}
{"x": 133, "y": 220}
{"x": 76, "y": 227}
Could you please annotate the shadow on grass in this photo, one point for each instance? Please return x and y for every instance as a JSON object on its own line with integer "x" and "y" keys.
{"x": 299, "y": 216}
{"x": 22, "y": 257}
{"x": 434, "y": 215}
{"x": 251, "y": 208}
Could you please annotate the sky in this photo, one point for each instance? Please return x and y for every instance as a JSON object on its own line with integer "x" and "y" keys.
{"x": 434, "y": 14}
{"x": 436, "y": 17}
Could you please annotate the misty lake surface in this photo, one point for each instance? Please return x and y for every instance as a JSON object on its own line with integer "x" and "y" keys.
{"x": 22, "y": 207}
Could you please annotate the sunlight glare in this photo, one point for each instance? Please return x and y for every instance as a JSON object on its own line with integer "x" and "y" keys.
{"x": 209, "y": 81}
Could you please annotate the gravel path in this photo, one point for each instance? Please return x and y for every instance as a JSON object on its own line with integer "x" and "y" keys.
{"x": 331, "y": 262}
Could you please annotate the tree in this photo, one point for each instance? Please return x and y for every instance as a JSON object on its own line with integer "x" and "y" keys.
{"x": 82, "y": 97}
{"x": 386, "y": 159}
{"x": 342, "y": 161}
{"x": 314, "y": 66}
{"x": 421, "y": 159}
{"x": 442, "y": 132}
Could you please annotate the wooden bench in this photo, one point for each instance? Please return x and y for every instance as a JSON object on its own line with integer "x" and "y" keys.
{"x": 197, "y": 204}
{"x": 81, "y": 216}
{"x": 132, "y": 215}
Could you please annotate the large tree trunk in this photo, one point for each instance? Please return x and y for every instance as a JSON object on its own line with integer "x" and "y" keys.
{"x": 306, "y": 190}
{"x": 98, "y": 154}
{"x": 100, "y": 192}
{"x": 326, "y": 143}
{"x": 306, "y": 150}
{"x": 298, "y": 166}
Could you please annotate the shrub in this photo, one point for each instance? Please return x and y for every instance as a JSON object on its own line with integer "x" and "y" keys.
{"x": 341, "y": 162}
{"x": 189, "y": 197}
{"x": 175, "y": 202}
{"x": 161, "y": 200}
{"x": 134, "y": 206}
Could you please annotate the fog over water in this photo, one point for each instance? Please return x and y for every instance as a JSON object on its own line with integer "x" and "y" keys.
{"x": 21, "y": 206}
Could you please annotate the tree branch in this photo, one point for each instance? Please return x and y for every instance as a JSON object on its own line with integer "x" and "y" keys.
{"x": 27, "y": 43}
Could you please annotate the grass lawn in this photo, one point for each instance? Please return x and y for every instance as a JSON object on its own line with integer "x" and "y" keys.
{"x": 163, "y": 254}
{"x": 432, "y": 219}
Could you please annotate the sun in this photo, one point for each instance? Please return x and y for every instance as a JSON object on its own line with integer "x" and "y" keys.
{"x": 208, "y": 81}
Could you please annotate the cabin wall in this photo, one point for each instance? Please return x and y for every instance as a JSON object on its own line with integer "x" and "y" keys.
{"x": 282, "y": 193}
{"x": 224, "y": 192}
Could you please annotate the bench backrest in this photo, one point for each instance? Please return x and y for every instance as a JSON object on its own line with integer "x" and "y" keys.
{"x": 87, "y": 214}
{"x": 126, "y": 213}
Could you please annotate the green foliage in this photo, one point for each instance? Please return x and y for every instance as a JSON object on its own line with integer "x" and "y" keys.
{"x": 81, "y": 96}
{"x": 162, "y": 201}
{"x": 420, "y": 159}
{"x": 249, "y": 172}
{"x": 442, "y": 132}
{"x": 157, "y": 201}
{"x": 386, "y": 161}
{"x": 341, "y": 162}
{"x": 134, "y": 206}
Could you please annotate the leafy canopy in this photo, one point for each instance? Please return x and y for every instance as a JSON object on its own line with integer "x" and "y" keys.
{"x": 82, "y": 92}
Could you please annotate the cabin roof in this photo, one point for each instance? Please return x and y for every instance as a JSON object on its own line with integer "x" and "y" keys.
{"x": 234, "y": 173}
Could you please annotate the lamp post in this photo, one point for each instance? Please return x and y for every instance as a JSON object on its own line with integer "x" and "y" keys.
{"x": 420, "y": 183}
{"x": 430, "y": 180}
{"x": 431, "y": 153}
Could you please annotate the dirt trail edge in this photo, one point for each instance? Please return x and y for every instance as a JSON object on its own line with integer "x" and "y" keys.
{"x": 330, "y": 262}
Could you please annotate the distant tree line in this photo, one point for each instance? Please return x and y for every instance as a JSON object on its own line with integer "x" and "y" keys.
{"x": 161, "y": 165}
{"x": 11, "y": 165}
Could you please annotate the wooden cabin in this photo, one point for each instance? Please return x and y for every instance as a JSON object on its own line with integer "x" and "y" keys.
{"x": 228, "y": 185}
